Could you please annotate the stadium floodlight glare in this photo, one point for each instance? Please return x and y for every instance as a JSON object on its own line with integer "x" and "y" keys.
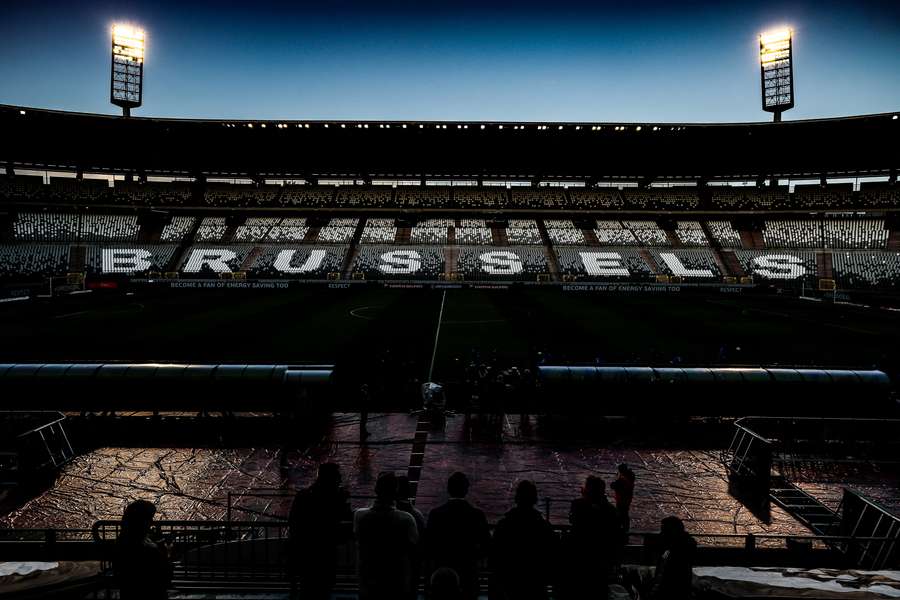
{"x": 777, "y": 71}
{"x": 127, "y": 76}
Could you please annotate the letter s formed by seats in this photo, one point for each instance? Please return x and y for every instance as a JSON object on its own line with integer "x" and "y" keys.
{"x": 400, "y": 262}
{"x": 501, "y": 262}
{"x": 779, "y": 266}
{"x": 125, "y": 260}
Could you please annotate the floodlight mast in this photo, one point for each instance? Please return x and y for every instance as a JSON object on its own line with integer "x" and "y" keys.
{"x": 776, "y": 67}
{"x": 126, "y": 86}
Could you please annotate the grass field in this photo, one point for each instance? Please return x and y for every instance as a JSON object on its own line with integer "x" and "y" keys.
{"x": 359, "y": 327}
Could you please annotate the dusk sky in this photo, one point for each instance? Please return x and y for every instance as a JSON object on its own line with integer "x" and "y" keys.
{"x": 553, "y": 61}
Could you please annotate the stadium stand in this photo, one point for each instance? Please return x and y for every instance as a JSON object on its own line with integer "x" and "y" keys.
{"x": 563, "y": 232}
{"x": 290, "y": 229}
{"x": 878, "y": 195}
{"x": 477, "y": 198}
{"x": 364, "y": 197}
{"x": 338, "y": 231}
{"x": 66, "y": 190}
{"x": 572, "y": 263}
{"x": 676, "y": 198}
{"x": 21, "y": 188}
{"x": 224, "y": 195}
{"x": 153, "y": 194}
{"x": 212, "y": 229}
{"x": 724, "y": 234}
{"x": 513, "y": 263}
{"x": 787, "y": 265}
{"x": 859, "y": 233}
{"x": 689, "y": 264}
{"x": 690, "y": 233}
{"x": 423, "y": 197}
{"x": 255, "y": 229}
{"x": 835, "y": 196}
{"x": 523, "y": 231}
{"x": 379, "y": 231}
{"x": 109, "y": 259}
{"x": 473, "y": 236}
{"x": 304, "y": 262}
{"x": 860, "y": 269}
{"x": 728, "y": 197}
{"x": 28, "y": 260}
{"x": 595, "y": 199}
{"x": 177, "y": 229}
{"x": 532, "y": 197}
{"x": 647, "y": 233}
{"x": 212, "y": 259}
{"x": 307, "y": 196}
{"x": 399, "y": 262}
{"x": 75, "y": 227}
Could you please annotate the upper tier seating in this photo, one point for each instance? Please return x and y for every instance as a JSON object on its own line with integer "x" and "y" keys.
{"x": 423, "y": 197}
{"x": 430, "y": 231}
{"x": 724, "y": 234}
{"x": 66, "y": 190}
{"x": 509, "y": 263}
{"x": 153, "y": 193}
{"x": 255, "y": 229}
{"x": 475, "y": 197}
{"x": 475, "y": 236}
{"x": 21, "y": 188}
{"x": 400, "y": 262}
{"x": 674, "y": 198}
{"x": 75, "y": 227}
{"x": 878, "y": 195}
{"x": 858, "y": 233}
{"x": 571, "y": 262}
{"x": 537, "y": 197}
{"x": 595, "y": 198}
{"x": 226, "y": 195}
{"x": 817, "y": 196}
{"x": 612, "y": 233}
{"x": 364, "y": 197}
{"x": 748, "y": 197}
{"x": 28, "y": 260}
{"x": 308, "y": 196}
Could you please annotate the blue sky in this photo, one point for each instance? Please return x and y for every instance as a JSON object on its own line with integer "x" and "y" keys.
{"x": 566, "y": 61}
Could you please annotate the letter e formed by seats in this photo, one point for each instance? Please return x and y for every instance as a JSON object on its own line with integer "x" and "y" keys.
{"x": 125, "y": 260}
{"x": 501, "y": 262}
{"x": 400, "y": 262}
{"x": 603, "y": 264}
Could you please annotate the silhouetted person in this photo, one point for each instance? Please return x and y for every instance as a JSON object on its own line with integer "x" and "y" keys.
{"x": 458, "y": 535}
{"x": 623, "y": 488}
{"x": 141, "y": 565}
{"x": 523, "y": 549}
{"x": 364, "y": 399}
{"x": 317, "y": 525}
{"x": 404, "y": 503}
{"x": 385, "y": 539}
{"x": 674, "y": 570}
{"x": 444, "y": 585}
{"x": 593, "y": 546}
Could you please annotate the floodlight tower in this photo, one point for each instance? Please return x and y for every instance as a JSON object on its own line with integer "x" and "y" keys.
{"x": 126, "y": 87}
{"x": 776, "y": 67}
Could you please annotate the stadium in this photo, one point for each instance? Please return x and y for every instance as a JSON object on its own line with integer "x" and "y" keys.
{"x": 203, "y": 312}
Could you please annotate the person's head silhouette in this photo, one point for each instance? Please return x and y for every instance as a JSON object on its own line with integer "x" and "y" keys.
{"x": 458, "y": 485}
{"x": 136, "y": 520}
{"x": 526, "y": 494}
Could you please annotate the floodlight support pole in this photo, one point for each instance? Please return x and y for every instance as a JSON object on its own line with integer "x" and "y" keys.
{"x": 776, "y": 116}
{"x": 126, "y": 112}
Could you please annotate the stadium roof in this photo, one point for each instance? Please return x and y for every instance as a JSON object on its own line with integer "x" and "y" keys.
{"x": 849, "y": 146}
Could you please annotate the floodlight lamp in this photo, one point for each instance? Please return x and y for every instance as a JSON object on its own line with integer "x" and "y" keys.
{"x": 127, "y": 73}
{"x": 776, "y": 70}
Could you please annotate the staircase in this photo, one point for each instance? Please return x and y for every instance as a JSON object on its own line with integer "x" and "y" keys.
{"x": 250, "y": 259}
{"x": 499, "y": 236}
{"x": 752, "y": 240}
{"x": 312, "y": 234}
{"x": 590, "y": 237}
{"x": 451, "y": 256}
{"x": 820, "y": 519}
{"x": 893, "y": 243}
{"x": 77, "y": 255}
{"x": 353, "y": 251}
{"x": 674, "y": 242}
{"x": 451, "y": 236}
{"x": 552, "y": 262}
{"x": 403, "y": 235}
{"x": 651, "y": 262}
{"x": 732, "y": 265}
{"x": 824, "y": 265}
